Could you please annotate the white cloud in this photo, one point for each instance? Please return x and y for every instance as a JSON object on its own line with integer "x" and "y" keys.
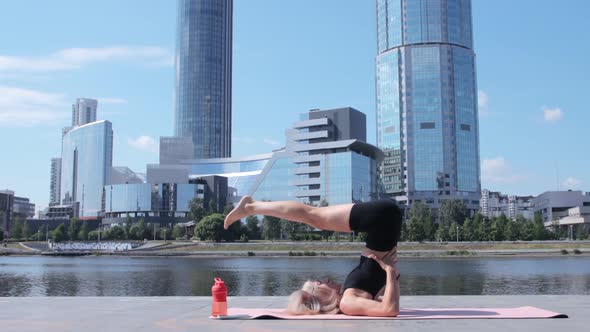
{"x": 27, "y": 108}
{"x": 271, "y": 141}
{"x": 482, "y": 99}
{"x": 144, "y": 143}
{"x": 571, "y": 183}
{"x": 74, "y": 58}
{"x": 552, "y": 114}
{"x": 498, "y": 171}
{"x": 482, "y": 103}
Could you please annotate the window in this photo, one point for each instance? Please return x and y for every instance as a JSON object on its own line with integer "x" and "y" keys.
{"x": 465, "y": 127}
{"x": 426, "y": 125}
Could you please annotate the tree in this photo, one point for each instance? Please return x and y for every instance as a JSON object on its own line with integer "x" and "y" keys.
{"x": 511, "y": 232}
{"x": 580, "y": 232}
{"x": 17, "y": 229}
{"x": 422, "y": 225}
{"x": 233, "y": 232}
{"x": 178, "y": 232}
{"x": 467, "y": 233}
{"x": 539, "y": 232}
{"x": 415, "y": 229}
{"x": 134, "y": 233}
{"x": 74, "y": 229}
{"x": 527, "y": 233}
{"x": 93, "y": 235}
{"x": 290, "y": 228}
{"x": 442, "y": 233}
{"x": 26, "y": 230}
{"x": 484, "y": 229}
{"x": 451, "y": 210}
{"x": 253, "y": 228}
{"x": 83, "y": 234}
{"x": 128, "y": 225}
{"x": 1, "y": 234}
{"x": 116, "y": 233}
{"x": 478, "y": 220}
{"x": 271, "y": 229}
{"x": 59, "y": 234}
{"x": 196, "y": 209}
{"x": 210, "y": 227}
{"x": 142, "y": 231}
{"x": 165, "y": 233}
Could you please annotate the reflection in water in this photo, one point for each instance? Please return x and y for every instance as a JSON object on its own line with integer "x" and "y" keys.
{"x": 257, "y": 276}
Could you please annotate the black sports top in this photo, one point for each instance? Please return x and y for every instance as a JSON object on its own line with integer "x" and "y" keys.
{"x": 367, "y": 276}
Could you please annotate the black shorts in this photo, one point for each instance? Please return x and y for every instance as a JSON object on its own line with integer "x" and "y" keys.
{"x": 381, "y": 220}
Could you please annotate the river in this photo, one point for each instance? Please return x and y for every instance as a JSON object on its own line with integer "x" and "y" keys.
{"x": 268, "y": 276}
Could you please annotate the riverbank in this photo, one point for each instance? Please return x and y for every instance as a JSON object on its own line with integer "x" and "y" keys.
{"x": 315, "y": 249}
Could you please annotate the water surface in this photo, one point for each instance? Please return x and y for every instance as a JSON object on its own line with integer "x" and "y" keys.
{"x": 266, "y": 276}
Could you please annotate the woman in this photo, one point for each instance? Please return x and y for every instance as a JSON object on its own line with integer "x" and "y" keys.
{"x": 370, "y": 289}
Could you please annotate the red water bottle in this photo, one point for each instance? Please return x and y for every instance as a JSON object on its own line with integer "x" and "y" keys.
{"x": 219, "y": 292}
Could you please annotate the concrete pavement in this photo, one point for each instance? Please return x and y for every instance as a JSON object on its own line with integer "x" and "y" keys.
{"x": 89, "y": 314}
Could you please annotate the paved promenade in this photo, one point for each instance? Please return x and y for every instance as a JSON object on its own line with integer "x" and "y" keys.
{"x": 89, "y": 314}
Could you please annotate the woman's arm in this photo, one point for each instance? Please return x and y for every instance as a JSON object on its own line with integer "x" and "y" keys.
{"x": 354, "y": 305}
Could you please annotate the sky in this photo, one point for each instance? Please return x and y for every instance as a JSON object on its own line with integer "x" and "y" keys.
{"x": 289, "y": 56}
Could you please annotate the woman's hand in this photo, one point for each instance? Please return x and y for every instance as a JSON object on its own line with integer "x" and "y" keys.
{"x": 388, "y": 262}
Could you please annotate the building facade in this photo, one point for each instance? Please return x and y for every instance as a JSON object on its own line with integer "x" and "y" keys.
{"x": 493, "y": 204}
{"x": 87, "y": 159}
{"x": 427, "y": 122}
{"x": 555, "y": 205}
{"x": 204, "y": 76}
{"x": 6, "y": 208}
{"x": 333, "y": 163}
{"x": 84, "y": 111}
{"x": 55, "y": 182}
{"x": 23, "y": 207}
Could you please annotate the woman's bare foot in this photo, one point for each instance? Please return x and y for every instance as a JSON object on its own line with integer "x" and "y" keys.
{"x": 238, "y": 212}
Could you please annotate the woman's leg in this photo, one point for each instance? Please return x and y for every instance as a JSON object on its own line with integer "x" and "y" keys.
{"x": 329, "y": 218}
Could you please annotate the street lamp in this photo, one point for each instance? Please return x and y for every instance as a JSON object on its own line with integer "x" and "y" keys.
{"x": 457, "y": 233}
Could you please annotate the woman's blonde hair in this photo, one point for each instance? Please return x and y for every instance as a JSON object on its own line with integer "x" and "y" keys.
{"x": 311, "y": 300}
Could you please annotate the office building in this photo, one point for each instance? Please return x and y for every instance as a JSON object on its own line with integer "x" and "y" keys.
{"x": 55, "y": 182}
{"x": 6, "y": 208}
{"x": 87, "y": 159}
{"x": 554, "y": 206}
{"x": 427, "y": 122}
{"x": 493, "y": 204}
{"x": 204, "y": 76}
{"x": 84, "y": 111}
{"x": 325, "y": 159}
{"x": 333, "y": 163}
{"x": 23, "y": 207}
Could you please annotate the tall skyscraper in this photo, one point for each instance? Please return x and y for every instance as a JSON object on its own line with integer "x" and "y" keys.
{"x": 202, "y": 107}
{"x": 84, "y": 111}
{"x": 427, "y": 121}
{"x": 55, "y": 182}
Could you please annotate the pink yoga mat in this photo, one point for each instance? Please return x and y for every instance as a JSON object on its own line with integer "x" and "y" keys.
{"x": 448, "y": 313}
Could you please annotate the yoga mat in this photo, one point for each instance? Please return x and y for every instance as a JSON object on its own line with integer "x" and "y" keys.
{"x": 405, "y": 314}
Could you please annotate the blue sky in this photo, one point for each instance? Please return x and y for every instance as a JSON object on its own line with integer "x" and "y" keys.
{"x": 289, "y": 56}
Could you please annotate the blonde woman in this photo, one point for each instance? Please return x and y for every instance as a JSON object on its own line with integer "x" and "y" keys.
{"x": 372, "y": 287}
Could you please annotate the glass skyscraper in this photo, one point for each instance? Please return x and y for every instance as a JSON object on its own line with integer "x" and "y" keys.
{"x": 427, "y": 122}
{"x": 204, "y": 76}
{"x": 87, "y": 159}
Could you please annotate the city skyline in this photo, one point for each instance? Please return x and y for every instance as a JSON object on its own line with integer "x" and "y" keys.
{"x": 531, "y": 98}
